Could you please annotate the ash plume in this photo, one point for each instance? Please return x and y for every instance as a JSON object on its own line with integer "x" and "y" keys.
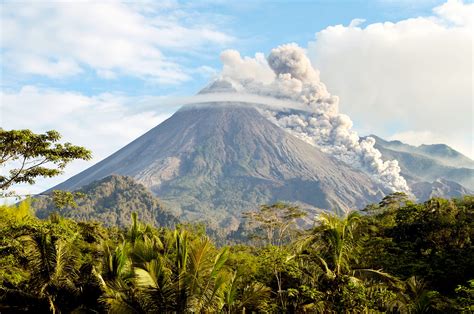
{"x": 287, "y": 74}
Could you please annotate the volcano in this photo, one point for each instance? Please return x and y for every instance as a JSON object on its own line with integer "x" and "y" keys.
{"x": 213, "y": 161}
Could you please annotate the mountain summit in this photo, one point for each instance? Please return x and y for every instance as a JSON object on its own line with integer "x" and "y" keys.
{"x": 213, "y": 161}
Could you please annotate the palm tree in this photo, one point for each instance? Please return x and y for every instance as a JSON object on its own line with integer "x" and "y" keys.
{"x": 180, "y": 267}
{"x": 239, "y": 295}
{"x": 53, "y": 270}
{"x": 206, "y": 277}
{"x": 334, "y": 242}
{"x": 415, "y": 297}
{"x": 115, "y": 279}
{"x": 188, "y": 277}
{"x": 153, "y": 275}
{"x": 155, "y": 280}
{"x": 160, "y": 271}
{"x": 137, "y": 230}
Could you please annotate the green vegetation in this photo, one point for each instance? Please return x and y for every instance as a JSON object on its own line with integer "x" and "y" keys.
{"x": 28, "y": 156}
{"x": 111, "y": 201}
{"x": 396, "y": 256}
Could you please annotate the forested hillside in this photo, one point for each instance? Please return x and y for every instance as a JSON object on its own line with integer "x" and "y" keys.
{"x": 110, "y": 201}
{"x": 395, "y": 256}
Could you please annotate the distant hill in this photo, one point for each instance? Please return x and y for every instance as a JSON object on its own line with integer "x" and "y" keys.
{"x": 445, "y": 154}
{"x": 428, "y": 163}
{"x": 442, "y": 153}
{"x": 438, "y": 188}
{"x": 111, "y": 201}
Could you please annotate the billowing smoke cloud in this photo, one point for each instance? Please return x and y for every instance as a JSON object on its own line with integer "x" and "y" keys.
{"x": 288, "y": 74}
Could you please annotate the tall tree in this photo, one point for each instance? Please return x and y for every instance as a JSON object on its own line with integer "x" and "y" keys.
{"x": 26, "y": 156}
{"x": 277, "y": 221}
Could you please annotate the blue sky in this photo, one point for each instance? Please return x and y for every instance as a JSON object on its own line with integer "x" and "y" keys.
{"x": 93, "y": 70}
{"x": 257, "y": 26}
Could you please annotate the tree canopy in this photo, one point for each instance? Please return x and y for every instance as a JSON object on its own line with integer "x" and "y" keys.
{"x": 404, "y": 258}
{"x": 26, "y": 156}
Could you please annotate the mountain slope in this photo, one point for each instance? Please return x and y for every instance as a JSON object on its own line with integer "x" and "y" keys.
{"x": 441, "y": 153}
{"x": 446, "y": 155}
{"x": 112, "y": 200}
{"x": 439, "y": 188}
{"x": 428, "y": 162}
{"x": 214, "y": 161}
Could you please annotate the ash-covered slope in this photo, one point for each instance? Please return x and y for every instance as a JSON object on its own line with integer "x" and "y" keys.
{"x": 214, "y": 161}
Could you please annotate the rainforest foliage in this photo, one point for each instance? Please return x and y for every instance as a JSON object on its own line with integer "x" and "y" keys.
{"x": 396, "y": 256}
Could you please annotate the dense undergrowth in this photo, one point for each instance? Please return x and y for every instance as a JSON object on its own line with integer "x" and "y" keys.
{"x": 395, "y": 256}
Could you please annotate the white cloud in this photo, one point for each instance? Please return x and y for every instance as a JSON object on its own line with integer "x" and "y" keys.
{"x": 102, "y": 123}
{"x": 58, "y": 39}
{"x": 234, "y": 66}
{"x": 414, "y": 75}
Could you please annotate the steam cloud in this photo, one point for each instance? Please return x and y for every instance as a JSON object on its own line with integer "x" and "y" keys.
{"x": 287, "y": 74}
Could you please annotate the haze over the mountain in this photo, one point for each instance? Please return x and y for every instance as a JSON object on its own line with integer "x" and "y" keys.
{"x": 442, "y": 153}
{"x": 439, "y": 188}
{"x": 213, "y": 161}
{"x": 428, "y": 163}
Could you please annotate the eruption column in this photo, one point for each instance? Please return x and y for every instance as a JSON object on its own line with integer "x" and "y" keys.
{"x": 288, "y": 74}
